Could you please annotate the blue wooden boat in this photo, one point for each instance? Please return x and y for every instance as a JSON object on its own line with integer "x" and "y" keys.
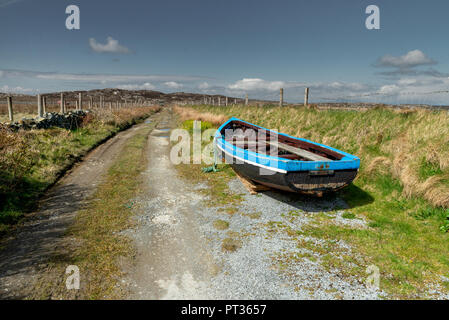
{"x": 283, "y": 162}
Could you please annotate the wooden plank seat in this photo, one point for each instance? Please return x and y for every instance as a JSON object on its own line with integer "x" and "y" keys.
{"x": 253, "y": 146}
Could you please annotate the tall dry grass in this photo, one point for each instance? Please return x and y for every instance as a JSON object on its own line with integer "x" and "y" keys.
{"x": 191, "y": 114}
{"x": 410, "y": 145}
{"x": 31, "y": 160}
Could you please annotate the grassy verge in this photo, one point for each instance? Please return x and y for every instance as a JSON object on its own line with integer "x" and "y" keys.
{"x": 97, "y": 231}
{"x": 31, "y": 161}
{"x": 218, "y": 191}
{"x": 402, "y": 189}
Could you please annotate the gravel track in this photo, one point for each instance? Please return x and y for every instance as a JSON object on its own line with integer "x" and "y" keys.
{"x": 180, "y": 252}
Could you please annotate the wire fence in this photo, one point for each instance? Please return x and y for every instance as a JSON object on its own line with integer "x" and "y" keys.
{"x": 435, "y": 98}
{"x": 398, "y": 95}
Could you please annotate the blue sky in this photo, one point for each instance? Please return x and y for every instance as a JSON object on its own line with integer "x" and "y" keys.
{"x": 230, "y": 47}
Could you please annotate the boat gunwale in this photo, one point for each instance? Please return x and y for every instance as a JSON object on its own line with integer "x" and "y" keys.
{"x": 348, "y": 161}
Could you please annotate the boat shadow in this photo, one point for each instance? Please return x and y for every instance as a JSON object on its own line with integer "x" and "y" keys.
{"x": 348, "y": 198}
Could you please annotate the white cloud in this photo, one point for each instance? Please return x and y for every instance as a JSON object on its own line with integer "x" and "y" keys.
{"x": 101, "y": 78}
{"x": 389, "y": 89}
{"x": 5, "y": 3}
{"x": 204, "y": 86}
{"x": 411, "y": 59}
{"x": 294, "y": 91}
{"x": 407, "y": 81}
{"x": 112, "y": 46}
{"x": 173, "y": 85}
{"x": 18, "y": 89}
{"x": 254, "y": 84}
{"x": 339, "y": 86}
{"x": 144, "y": 86}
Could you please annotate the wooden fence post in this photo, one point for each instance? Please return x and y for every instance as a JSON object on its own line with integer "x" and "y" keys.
{"x": 219, "y": 101}
{"x": 110, "y": 106}
{"x": 80, "y": 101}
{"x": 246, "y": 99}
{"x": 10, "y": 111}
{"x": 306, "y": 97}
{"x": 226, "y": 101}
{"x": 40, "y": 111}
{"x": 281, "y": 97}
{"x": 62, "y": 104}
{"x": 44, "y": 104}
{"x": 235, "y": 101}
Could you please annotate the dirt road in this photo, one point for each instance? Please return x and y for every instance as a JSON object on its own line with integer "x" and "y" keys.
{"x": 25, "y": 255}
{"x": 174, "y": 261}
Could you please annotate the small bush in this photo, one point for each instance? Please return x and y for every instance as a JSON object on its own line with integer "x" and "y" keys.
{"x": 348, "y": 215}
{"x": 188, "y": 125}
{"x": 221, "y": 224}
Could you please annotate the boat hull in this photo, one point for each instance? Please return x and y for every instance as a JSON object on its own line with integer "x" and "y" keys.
{"x": 283, "y": 162}
{"x": 306, "y": 182}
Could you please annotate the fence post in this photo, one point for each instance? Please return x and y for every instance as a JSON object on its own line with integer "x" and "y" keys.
{"x": 91, "y": 102}
{"x": 281, "y": 97}
{"x": 219, "y": 101}
{"x": 110, "y": 106}
{"x": 306, "y": 97}
{"x": 246, "y": 99}
{"x": 10, "y": 111}
{"x": 62, "y": 104}
{"x": 235, "y": 101}
{"x": 80, "y": 101}
{"x": 226, "y": 101}
{"x": 44, "y": 104}
{"x": 40, "y": 112}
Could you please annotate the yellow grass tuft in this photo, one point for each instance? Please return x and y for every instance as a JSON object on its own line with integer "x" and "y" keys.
{"x": 191, "y": 114}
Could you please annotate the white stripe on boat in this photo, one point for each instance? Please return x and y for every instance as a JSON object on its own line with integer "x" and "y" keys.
{"x": 251, "y": 162}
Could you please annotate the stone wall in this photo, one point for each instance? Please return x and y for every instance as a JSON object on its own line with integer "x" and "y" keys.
{"x": 70, "y": 120}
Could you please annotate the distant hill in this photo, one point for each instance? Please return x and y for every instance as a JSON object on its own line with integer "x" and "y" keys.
{"x": 113, "y": 94}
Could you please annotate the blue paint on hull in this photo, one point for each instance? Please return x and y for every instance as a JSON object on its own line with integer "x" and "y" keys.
{"x": 283, "y": 165}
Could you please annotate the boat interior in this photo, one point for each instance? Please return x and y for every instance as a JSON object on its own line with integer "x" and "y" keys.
{"x": 249, "y": 137}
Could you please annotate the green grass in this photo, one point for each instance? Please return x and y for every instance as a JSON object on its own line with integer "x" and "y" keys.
{"x": 406, "y": 212}
{"x": 428, "y": 169}
{"x": 31, "y": 161}
{"x": 188, "y": 125}
{"x": 218, "y": 192}
{"x": 221, "y": 224}
{"x": 348, "y": 215}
